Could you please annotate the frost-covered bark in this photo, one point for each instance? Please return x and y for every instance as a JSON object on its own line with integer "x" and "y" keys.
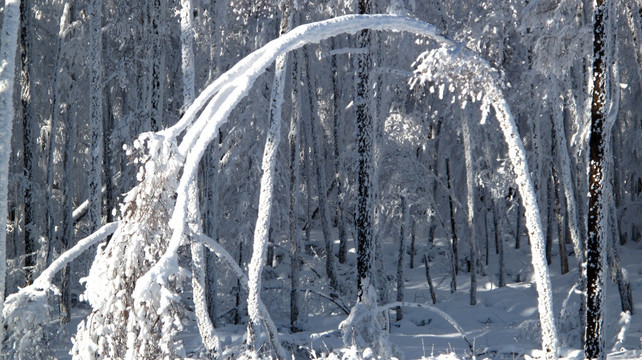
{"x": 470, "y": 201}
{"x": 187, "y": 51}
{"x": 566, "y": 180}
{"x": 596, "y": 246}
{"x": 94, "y": 57}
{"x": 261, "y": 232}
{"x": 8, "y": 47}
{"x": 203, "y": 321}
{"x": 199, "y": 263}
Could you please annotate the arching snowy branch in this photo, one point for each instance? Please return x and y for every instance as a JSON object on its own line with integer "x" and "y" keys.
{"x": 474, "y": 79}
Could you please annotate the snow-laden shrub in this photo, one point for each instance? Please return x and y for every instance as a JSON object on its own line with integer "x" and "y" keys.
{"x": 25, "y": 314}
{"x": 364, "y": 328}
{"x": 119, "y": 327}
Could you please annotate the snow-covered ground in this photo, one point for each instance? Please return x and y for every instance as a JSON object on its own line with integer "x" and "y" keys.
{"x": 503, "y": 324}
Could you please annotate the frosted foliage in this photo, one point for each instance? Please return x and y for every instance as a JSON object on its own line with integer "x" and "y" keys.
{"x": 475, "y": 80}
{"x": 470, "y": 76}
{"x": 119, "y": 326}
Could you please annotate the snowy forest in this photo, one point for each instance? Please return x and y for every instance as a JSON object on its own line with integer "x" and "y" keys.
{"x": 330, "y": 179}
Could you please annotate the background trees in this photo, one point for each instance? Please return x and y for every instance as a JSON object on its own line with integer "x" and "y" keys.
{"x": 456, "y": 175}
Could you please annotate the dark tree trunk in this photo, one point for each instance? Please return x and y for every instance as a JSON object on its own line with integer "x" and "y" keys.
{"x": 343, "y": 242}
{"x": 413, "y": 236}
{"x": 402, "y": 248}
{"x": 549, "y": 225}
{"x": 317, "y": 152}
{"x": 453, "y": 227}
{"x": 596, "y": 237}
{"x": 365, "y": 215}
{"x": 28, "y": 139}
{"x": 429, "y": 279}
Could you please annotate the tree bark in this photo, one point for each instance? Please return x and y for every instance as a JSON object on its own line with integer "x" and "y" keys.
{"x": 453, "y": 227}
{"x": 402, "y": 249}
{"x": 295, "y": 242}
{"x": 94, "y": 181}
{"x": 8, "y": 47}
{"x": 596, "y": 242}
{"x": 28, "y": 141}
{"x": 470, "y": 192}
{"x": 365, "y": 213}
{"x": 320, "y": 175}
{"x": 429, "y": 279}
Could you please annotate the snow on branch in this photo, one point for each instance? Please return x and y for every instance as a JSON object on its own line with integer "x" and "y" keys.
{"x": 44, "y": 280}
{"x": 24, "y": 312}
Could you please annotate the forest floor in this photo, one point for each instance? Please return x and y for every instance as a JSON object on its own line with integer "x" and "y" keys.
{"x": 503, "y": 324}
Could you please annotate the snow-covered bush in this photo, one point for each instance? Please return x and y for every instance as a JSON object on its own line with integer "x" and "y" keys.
{"x": 26, "y": 313}
{"x": 119, "y": 327}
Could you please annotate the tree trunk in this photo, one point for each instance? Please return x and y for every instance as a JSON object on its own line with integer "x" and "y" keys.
{"x": 158, "y": 9}
{"x": 68, "y": 217}
{"x": 549, "y": 225}
{"x": 8, "y": 47}
{"x": 295, "y": 243}
{"x": 266, "y": 198}
{"x": 470, "y": 192}
{"x": 402, "y": 249}
{"x": 365, "y": 211}
{"x": 28, "y": 141}
{"x": 499, "y": 243}
{"x": 343, "y": 242}
{"x": 94, "y": 180}
{"x": 413, "y": 236}
{"x": 561, "y": 238}
{"x": 320, "y": 174}
{"x": 429, "y": 279}
{"x": 596, "y": 242}
{"x": 453, "y": 227}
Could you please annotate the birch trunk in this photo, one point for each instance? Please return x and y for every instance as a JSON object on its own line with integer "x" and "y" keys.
{"x": 470, "y": 192}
